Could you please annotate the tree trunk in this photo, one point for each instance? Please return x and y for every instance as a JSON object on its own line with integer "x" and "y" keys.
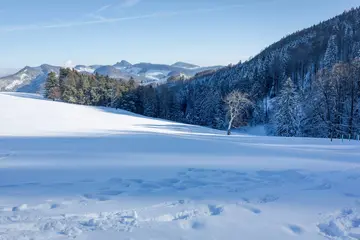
{"x": 351, "y": 119}
{"x": 230, "y": 125}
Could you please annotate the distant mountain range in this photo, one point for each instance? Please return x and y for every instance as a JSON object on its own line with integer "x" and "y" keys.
{"x": 32, "y": 79}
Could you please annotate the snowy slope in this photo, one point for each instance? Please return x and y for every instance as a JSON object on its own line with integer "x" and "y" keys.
{"x": 185, "y": 65}
{"x": 69, "y": 171}
{"x": 85, "y": 69}
{"x": 28, "y": 79}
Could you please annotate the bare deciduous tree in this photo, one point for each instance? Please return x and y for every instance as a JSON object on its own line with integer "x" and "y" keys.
{"x": 238, "y": 104}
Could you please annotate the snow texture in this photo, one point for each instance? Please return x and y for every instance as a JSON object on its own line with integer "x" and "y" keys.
{"x": 69, "y": 171}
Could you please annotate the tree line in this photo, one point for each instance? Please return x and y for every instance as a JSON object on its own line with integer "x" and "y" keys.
{"x": 306, "y": 85}
{"x": 73, "y": 87}
{"x": 331, "y": 108}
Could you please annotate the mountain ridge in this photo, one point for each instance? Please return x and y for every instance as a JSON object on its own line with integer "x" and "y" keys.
{"x": 31, "y": 79}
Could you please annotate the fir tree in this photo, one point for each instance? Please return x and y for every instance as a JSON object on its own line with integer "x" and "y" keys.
{"x": 52, "y": 87}
{"x": 331, "y": 54}
{"x": 150, "y": 102}
{"x": 287, "y": 113}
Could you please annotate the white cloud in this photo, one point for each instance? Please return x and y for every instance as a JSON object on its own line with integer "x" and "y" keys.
{"x": 69, "y": 64}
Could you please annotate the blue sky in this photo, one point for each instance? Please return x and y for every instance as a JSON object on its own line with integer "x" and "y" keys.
{"x": 204, "y": 32}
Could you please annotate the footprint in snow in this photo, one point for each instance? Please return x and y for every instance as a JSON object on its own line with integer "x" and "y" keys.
{"x": 294, "y": 229}
{"x": 197, "y": 225}
{"x": 215, "y": 210}
{"x": 252, "y": 209}
{"x": 268, "y": 199}
{"x": 55, "y": 206}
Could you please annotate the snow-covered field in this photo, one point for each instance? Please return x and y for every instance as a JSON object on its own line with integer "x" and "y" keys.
{"x": 69, "y": 171}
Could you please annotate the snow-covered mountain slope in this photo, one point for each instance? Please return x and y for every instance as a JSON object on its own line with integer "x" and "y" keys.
{"x": 85, "y": 69}
{"x": 161, "y": 72}
{"x": 112, "y": 72}
{"x": 123, "y": 64}
{"x": 185, "y": 65}
{"x": 28, "y": 79}
{"x": 31, "y": 79}
{"x": 70, "y": 171}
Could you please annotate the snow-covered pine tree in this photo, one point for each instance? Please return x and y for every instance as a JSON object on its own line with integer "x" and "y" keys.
{"x": 331, "y": 55}
{"x": 286, "y": 118}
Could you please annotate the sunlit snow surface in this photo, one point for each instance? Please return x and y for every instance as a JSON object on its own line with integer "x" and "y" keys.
{"x": 69, "y": 171}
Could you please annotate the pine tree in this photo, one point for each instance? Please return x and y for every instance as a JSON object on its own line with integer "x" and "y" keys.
{"x": 83, "y": 89}
{"x": 286, "y": 119}
{"x": 52, "y": 87}
{"x": 64, "y": 72}
{"x": 331, "y": 54}
{"x": 70, "y": 93}
{"x": 150, "y": 102}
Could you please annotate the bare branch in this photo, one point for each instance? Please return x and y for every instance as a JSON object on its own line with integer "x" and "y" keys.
{"x": 238, "y": 103}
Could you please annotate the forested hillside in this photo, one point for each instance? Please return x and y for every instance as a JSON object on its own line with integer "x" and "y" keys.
{"x": 322, "y": 63}
{"x": 308, "y": 83}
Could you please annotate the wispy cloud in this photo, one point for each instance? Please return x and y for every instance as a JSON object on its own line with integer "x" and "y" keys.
{"x": 103, "y": 8}
{"x": 103, "y": 20}
{"x": 122, "y": 4}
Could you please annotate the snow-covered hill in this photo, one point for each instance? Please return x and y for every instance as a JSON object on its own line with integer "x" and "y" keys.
{"x": 28, "y": 79}
{"x": 185, "y": 65}
{"x": 31, "y": 79}
{"x": 70, "y": 171}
